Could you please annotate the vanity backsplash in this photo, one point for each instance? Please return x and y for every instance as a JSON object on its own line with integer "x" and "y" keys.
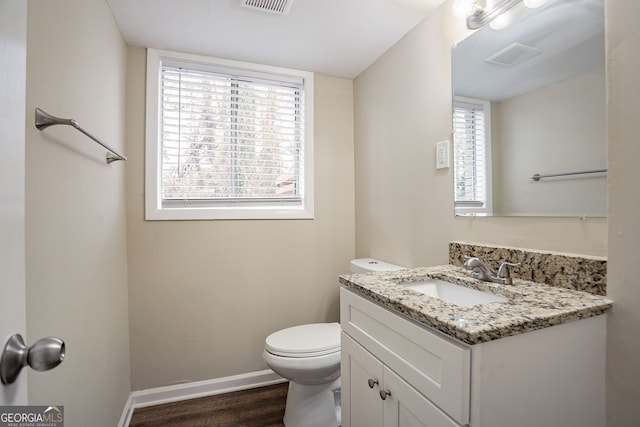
{"x": 578, "y": 272}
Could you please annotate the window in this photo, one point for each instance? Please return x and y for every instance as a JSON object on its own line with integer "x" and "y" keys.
{"x": 227, "y": 140}
{"x": 472, "y": 156}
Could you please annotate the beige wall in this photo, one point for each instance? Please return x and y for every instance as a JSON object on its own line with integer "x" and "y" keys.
{"x": 623, "y": 57}
{"x": 404, "y": 206}
{"x": 402, "y": 104}
{"x": 554, "y": 129}
{"x": 203, "y": 295}
{"x": 75, "y": 213}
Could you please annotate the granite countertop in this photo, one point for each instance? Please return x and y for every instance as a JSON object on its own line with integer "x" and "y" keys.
{"x": 529, "y": 305}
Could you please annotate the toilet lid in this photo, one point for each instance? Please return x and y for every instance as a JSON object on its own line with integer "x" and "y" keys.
{"x": 316, "y": 339}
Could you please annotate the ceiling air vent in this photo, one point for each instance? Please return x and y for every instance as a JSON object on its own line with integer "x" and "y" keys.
{"x": 513, "y": 54}
{"x": 279, "y": 7}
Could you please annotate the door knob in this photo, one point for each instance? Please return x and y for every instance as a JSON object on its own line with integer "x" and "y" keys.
{"x": 384, "y": 394}
{"x": 44, "y": 354}
{"x": 372, "y": 382}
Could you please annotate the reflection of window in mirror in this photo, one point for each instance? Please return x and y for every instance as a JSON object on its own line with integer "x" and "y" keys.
{"x": 472, "y": 156}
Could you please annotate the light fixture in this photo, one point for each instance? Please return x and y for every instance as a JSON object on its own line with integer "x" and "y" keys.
{"x": 481, "y": 16}
{"x": 478, "y": 15}
{"x": 508, "y": 18}
{"x": 464, "y": 8}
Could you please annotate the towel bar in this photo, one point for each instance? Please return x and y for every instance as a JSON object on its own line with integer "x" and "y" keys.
{"x": 44, "y": 120}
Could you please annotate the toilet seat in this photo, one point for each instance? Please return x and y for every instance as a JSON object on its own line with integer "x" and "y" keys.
{"x": 315, "y": 339}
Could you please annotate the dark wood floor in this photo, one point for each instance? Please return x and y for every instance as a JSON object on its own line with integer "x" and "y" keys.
{"x": 259, "y": 407}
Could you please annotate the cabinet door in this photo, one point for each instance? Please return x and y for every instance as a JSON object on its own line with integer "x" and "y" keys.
{"x": 437, "y": 366}
{"x": 406, "y": 407}
{"x": 361, "y": 404}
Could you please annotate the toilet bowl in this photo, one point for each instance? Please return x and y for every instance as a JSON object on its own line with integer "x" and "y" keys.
{"x": 309, "y": 357}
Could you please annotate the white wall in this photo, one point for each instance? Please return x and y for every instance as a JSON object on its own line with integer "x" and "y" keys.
{"x": 75, "y": 212}
{"x": 623, "y": 347}
{"x": 204, "y": 295}
{"x": 554, "y": 129}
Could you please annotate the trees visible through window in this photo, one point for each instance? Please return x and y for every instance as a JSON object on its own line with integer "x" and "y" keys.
{"x": 231, "y": 139}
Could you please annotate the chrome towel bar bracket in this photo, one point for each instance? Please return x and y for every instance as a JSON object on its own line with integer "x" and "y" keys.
{"x": 44, "y": 120}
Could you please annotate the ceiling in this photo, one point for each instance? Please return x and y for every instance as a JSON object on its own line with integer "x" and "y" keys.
{"x": 335, "y": 37}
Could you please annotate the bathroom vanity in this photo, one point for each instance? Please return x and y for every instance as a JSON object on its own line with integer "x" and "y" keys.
{"x": 534, "y": 358}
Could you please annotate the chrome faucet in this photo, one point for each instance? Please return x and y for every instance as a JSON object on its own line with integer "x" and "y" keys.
{"x": 482, "y": 272}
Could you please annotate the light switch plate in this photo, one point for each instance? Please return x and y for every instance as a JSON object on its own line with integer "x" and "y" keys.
{"x": 442, "y": 155}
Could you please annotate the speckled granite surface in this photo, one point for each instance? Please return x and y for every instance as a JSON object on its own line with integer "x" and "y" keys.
{"x": 529, "y": 306}
{"x": 577, "y": 272}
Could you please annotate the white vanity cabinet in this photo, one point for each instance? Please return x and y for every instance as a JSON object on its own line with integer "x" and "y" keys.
{"x": 553, "y": 377}
{"x": 377, "y": 397}
{"x": 427, "y": 375}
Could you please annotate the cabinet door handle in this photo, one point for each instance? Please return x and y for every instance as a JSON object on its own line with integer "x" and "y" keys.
{"x": 384, "y": 394}
{"x": 372, "y": 382}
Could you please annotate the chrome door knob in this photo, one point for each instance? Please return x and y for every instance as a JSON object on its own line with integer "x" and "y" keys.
{"x": 44, "y": 354}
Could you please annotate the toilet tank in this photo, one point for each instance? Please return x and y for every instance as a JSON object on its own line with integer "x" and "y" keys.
{"x": 368, "y": 265}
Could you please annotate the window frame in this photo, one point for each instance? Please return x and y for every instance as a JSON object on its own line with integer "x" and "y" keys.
{"x": 155, "y": 209}
{"x": 487, "y": 208}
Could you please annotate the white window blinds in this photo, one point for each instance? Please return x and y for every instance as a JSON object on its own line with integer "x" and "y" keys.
{"x": 470, "y": 164}
{"x": 230, "y": 138}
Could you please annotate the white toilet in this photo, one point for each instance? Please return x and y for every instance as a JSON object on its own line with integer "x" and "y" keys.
{"x": 368, "y": 265}
{"x": 309, "y": 357}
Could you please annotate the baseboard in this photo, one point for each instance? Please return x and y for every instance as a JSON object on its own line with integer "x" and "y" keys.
{"x": 196, "y": 389}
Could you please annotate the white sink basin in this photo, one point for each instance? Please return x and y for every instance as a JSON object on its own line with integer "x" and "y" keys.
{"x": 452, "y": 293}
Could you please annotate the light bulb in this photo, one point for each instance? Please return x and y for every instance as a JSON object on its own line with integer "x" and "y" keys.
{"x": 462, "y": 8}
{"x": 532, "y": 4}
{"x": 501, "y": 22}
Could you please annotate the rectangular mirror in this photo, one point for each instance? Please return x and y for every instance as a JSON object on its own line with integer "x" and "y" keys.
{"x": 529, "y": 119}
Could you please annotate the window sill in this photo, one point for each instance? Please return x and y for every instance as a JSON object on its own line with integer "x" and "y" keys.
{"x": 190, "y": 213}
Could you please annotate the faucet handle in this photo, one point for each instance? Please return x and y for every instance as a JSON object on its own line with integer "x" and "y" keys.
{"x": 471, "y": 261}
{"x": 503, "y": 271}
